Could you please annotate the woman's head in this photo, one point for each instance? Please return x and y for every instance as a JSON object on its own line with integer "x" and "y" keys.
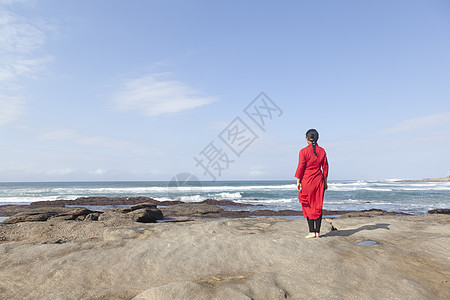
{"x": 313, "y": 136}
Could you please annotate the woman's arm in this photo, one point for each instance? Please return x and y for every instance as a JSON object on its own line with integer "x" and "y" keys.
{"x": 325, "y": 171}
{"x": 300, "y": 169}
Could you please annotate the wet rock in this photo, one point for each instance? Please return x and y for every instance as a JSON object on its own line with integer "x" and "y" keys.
{"x": 440, "y": 211}
{"x": 45, "y": 213}
{"x": 227, "y": 203}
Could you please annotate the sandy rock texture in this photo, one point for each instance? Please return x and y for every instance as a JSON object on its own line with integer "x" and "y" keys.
{"x": 248, "y": 258}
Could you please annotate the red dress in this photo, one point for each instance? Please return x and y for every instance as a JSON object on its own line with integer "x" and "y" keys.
{"x": 311, "y": 171}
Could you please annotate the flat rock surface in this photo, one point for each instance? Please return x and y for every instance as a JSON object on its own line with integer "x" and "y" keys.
{"x": 247, "y": 258}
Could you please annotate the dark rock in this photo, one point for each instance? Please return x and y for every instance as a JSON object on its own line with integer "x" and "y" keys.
{"x": 143, "y": 205}
{"x": 209, "y": 208}
{"x": 364, "y": 213}
{"x": 92, "y": 216}
{"x": 227, "y": 203}
{"x": 84, "y": 201}
{"x": 73, "y": 214}
{"x": 54, "y": 241}
{"x": 235, "y": 214}
{"x": 138, "y": 206}
{"x": 286, "y": 212}
{"x": 9, "y": 210}
{"x": 145, "y": 215}
{"x": 193, "y": 210}
{"x": 445, "y": 211}
{"x": 45, "y": 213}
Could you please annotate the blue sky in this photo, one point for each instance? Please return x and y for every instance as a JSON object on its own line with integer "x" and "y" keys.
{"x": 134, "y": 90}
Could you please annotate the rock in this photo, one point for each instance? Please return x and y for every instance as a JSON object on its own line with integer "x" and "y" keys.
{"x": 143, "y": 205}
{"x": 137, "y": 206}
{"x": 177, "y": 290}
{"x": 117, "y": 234}
{"x": 92, "y": 216}
{"x": 364, "y": 213}
{"x": 262, "y": 286}
{"x": 440, "y": 211}
{"x": 54, "y": 241}
{"x": 227, "y": 203}
{"x": 190, "y": 290}
{"x": 144, "y": 215}
{"x": 193, "y": 210}
{"x": 209, "y": 208}
{"x": 286, "y": 212}
{"x": 45, "y": 213}
{"x": 252, "y": 258}
{"x": 73, "y": 214}
{"x": 9, "y": 210}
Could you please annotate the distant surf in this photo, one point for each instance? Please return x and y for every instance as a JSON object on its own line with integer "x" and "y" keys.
{"x": 389, "y": 195}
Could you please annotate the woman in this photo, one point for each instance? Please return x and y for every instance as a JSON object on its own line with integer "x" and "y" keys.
{"x": 312, "y": 173}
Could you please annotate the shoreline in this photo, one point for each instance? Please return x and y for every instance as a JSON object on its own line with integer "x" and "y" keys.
{"x": 232, "y": 258}
{"x": 208, "y": 208}
{"x": 411, "y": 198}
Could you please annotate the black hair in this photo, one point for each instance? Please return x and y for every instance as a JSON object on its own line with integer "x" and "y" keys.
{"x": 313, "y": 137}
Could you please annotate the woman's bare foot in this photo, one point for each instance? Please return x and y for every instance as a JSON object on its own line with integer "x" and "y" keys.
{"x": 310, "y": 235}
{"x": 317, "y": 234}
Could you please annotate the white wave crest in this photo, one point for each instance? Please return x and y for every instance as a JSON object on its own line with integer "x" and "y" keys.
{"x": 226, "y": 196}
{"x": 34, "y": 199}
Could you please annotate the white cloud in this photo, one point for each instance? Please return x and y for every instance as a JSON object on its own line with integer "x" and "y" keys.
{"x": 11, "y": 108}
{"x": 154, "y": 95}
{"x": 19, "y": 39}
{"x": 424, "y": 122}
{"x": 7, "y": 2}
{"x": 97, "y": 172}
{"x": 17, "y": 35}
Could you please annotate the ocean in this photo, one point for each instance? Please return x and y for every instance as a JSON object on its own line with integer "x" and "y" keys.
{"x": 389, "y": 195}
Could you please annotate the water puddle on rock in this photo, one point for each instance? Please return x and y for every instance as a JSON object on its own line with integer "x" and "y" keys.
{"x": 367, "y": 243}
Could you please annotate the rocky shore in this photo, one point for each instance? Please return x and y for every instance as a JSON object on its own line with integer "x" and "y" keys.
{"x": 146, "y": 249}
{"x": 171, "y": 210}
{"x": 238, "y": 258}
